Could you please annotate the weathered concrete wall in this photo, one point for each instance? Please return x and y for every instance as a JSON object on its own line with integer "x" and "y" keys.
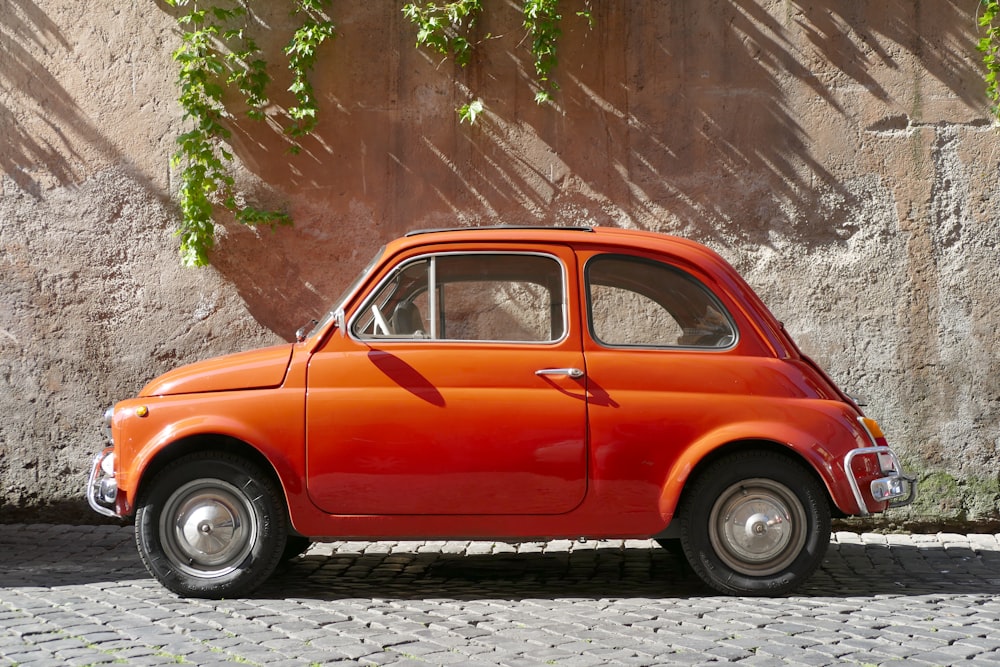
{"x": 838, "y": 153}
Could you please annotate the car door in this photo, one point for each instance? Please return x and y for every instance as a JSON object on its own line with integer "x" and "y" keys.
{"x": 458, "y": 387}
{"x": 668, "y": 357}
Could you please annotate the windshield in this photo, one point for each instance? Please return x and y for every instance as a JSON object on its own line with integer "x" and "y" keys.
{"x": 342, "y": 299}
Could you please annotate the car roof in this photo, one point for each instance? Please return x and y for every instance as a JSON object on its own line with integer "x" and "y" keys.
{"x": 581, "y": 235}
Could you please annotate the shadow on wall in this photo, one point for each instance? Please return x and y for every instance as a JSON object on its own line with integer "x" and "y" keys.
{"x": 720, "y": 120}
{"x": 40, "y": 119}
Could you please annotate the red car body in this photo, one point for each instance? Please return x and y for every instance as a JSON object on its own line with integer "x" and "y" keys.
{"x": 546, "y": 417}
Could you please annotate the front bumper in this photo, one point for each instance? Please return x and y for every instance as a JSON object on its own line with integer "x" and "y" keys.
{"x": 893, "y": 487}
{"x": 102, "y": 487}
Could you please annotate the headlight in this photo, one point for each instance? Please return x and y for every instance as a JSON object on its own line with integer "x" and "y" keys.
{"x": 108, "y": 465}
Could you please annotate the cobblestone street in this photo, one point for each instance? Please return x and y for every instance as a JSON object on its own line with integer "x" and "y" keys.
{"x": 79, "y": 596}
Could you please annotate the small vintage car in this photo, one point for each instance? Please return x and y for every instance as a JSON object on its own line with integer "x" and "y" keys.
{"x": 505, "y": 383}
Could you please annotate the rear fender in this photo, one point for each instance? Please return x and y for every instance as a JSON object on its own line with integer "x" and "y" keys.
{"x": 798, "y": 444}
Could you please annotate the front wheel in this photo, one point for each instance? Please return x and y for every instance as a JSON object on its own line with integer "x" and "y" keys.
{"x": 211, "y": 525}
{"x": 756, "y": 523}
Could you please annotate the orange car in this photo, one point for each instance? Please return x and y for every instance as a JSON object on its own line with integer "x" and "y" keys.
{"x": 513, "y": 384}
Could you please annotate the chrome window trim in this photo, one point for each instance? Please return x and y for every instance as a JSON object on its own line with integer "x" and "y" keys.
{"x": 589, "y": 322}
{"x": 432, "y": 274}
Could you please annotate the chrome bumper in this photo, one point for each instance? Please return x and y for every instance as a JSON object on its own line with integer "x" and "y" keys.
{"x": 895, "y": 487}
{"x": 102, "y": 487}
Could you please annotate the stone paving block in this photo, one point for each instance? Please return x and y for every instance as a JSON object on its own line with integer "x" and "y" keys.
{"x": 943, "y": 656}
{"x": 478, "y": 549}
{"x": 818, "y": 660}
{"x": 392, "y": 659}
{"x": 984, "y": 541}
{"x": 445, "y": 657}
{"x": 85, "y": 657}
{"x": 30, "y": 656}
{"x": 577, "y": 661}
{"x": 42, "y": 662}
{"x": 984, "y": 660}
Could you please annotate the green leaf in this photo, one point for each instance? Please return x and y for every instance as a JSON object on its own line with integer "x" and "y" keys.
{"x": 469, "y": 112}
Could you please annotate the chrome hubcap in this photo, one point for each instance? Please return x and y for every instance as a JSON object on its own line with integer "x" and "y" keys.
{"x": 208, "y": 528}
{"x": 757, "y": 527}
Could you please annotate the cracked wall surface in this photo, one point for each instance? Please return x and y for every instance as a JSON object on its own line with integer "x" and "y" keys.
{"x": 838, "y": 153}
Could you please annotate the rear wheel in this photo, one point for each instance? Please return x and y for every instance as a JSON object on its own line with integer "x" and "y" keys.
{"x": 756, "y": 523}
{"x": 211, "y": 525}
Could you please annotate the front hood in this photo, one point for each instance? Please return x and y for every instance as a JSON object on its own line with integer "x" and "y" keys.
{"x": 256, "y": 369}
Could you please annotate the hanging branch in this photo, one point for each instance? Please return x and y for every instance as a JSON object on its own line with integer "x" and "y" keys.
{"x": 217, "y": 55}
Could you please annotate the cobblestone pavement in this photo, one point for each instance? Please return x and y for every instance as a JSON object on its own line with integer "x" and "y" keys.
{"x": 80, "y": 596}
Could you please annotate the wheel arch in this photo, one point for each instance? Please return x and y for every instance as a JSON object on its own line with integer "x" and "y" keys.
{"x": 697, "y": 460}
{"x": 199, "y": 442}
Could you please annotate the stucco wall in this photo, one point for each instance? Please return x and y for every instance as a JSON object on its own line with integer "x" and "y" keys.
{"x": 838, "y": 153}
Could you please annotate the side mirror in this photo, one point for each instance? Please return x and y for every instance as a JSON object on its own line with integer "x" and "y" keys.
{"x": 340, "y": 320}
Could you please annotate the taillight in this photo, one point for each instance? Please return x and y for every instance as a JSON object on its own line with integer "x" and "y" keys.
{"x": 874, "y": 431}
{"x": 877, "y": 438}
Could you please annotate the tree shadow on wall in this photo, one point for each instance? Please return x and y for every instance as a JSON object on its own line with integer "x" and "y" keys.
{"x": 690, "y": 117}
{"x": 700, "y": 125}
{"x": 42, "y": 123}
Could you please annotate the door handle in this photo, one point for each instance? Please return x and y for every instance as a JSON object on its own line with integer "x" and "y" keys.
{"x": 572, "y": 372}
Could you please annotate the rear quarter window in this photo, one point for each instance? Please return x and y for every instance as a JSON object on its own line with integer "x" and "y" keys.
{"x": 634, "y": 301}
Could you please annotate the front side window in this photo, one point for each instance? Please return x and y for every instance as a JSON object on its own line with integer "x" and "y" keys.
{"x": 639, "y": 302}
{"x": 470, "y": 297}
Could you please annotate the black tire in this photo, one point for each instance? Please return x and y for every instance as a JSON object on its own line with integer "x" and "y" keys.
{"x": 295, "y": 545}
{"x": 756, "y": 523}
{"x": 211, "y": 525}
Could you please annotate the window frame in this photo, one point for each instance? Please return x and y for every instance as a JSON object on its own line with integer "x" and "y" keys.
{"x": 684, "y": 275}
{"x": 432, "y": 290}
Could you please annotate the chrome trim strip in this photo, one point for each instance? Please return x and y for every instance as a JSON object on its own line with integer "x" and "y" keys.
{"x": 432, "y": 296}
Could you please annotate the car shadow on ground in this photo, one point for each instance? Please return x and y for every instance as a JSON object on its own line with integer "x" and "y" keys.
{"x": 849, "y": 570}
{"x": 52, "y": 556}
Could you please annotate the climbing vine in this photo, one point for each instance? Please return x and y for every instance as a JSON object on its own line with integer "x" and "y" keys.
{"x": 541, "y": 18}
{"x": 989, "y": 45}
{"x": 447, "y": 29}
{"x": 217, "y": 55}
{"x": 218, "y": 59}
{"x": 301, "y": 52}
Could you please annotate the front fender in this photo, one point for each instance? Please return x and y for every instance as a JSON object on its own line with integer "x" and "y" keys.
{"x": 268, "y": 421}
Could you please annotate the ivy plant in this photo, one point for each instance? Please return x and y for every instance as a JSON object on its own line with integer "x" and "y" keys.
{"x": 541, "y": 19}
{"x": 218, "y": 59}
{"x": 302, "y": 52}
{"x": 217, "y": 55}
{"x": 989, "y": 45}
{"x": 445, "y": 27}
